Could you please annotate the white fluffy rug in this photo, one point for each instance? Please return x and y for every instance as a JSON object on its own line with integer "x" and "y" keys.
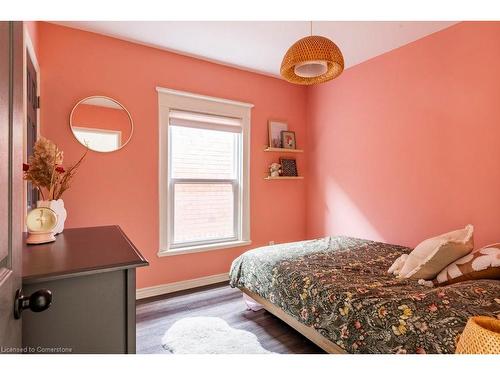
{"x": 203, "y": 335}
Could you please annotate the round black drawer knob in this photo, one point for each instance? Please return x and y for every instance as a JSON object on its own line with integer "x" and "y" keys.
{"x": 37, "y": 302}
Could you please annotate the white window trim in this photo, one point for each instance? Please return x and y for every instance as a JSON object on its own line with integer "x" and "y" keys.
{"x": 168, "y": 100}
{"x": 99, "y": 130}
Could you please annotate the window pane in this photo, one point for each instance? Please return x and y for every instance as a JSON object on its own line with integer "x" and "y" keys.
{"x": 203, "y": 212}
{"x": 202, "y": 153}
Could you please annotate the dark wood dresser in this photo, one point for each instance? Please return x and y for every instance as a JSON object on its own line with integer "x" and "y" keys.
{"x": 91, "y": 274}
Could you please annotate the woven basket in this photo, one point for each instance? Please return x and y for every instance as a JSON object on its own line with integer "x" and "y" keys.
{"x": 480, "y": 336}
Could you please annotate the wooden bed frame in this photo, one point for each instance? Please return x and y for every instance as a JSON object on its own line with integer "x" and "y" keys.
{"x": 304, "y": 330}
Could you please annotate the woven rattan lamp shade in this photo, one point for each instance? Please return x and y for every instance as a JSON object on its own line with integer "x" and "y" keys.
{"x": 480, "y": 336}
{"x": 312, "y": 48}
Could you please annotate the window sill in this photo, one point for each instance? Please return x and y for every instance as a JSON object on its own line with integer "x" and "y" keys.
{"x": 202, "y": 248}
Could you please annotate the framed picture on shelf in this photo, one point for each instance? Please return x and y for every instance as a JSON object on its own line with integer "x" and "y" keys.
{"x": 288, "y": 167}
{"x": 288, "y": 139}
{"x": 275, "y": 129}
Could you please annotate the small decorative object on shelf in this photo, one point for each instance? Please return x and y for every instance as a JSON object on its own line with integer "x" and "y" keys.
{"x": 275, "y": 170}
{"x": 41, "y": 223}
{"x": 480, "y": 336}
{"x": 47, "y": 174}
{"x": 288, "y": 167}
{"x": 275, "y": 129}
{"x": 288, "y": 140}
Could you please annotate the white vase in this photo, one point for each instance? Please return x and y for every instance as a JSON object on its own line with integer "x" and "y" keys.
{"x": 58, "y": 207}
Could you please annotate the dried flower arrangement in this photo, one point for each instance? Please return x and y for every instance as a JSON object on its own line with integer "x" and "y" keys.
{"x": 45, "y": 170}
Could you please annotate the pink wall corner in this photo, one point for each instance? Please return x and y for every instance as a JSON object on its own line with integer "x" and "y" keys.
{"x": 406, "y": 145}
{"x": 122, "y": 187}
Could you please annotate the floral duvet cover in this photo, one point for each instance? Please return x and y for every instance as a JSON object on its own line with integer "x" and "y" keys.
{"x": 340, "y": 287}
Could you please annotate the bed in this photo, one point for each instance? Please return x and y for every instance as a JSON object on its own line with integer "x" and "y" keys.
{"x": 336, "y": 292}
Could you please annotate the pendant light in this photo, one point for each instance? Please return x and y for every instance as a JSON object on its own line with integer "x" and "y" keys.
{"x": 313, "y": 59}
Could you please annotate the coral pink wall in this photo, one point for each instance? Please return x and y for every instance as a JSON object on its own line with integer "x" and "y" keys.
{"x": 122, "y": 187}
{"x": 406, "y": 145}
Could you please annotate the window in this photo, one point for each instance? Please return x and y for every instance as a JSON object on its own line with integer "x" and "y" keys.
{"x": 204, "y": 162}
{"x": 98, "y": 139}
{"x": 204, "y": 179}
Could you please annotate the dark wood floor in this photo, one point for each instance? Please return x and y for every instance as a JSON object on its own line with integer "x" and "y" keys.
{"x": 155, "y": 315}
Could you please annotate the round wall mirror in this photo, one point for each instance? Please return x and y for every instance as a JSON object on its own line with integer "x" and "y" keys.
{"x": 101, "y": 123}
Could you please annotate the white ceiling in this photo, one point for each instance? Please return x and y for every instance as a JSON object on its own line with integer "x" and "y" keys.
{"x": 260, "y": 45}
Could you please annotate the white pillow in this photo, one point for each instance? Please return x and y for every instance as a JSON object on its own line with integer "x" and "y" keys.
{"x": 434, "y": 254}
{"x": 398, "y": 265}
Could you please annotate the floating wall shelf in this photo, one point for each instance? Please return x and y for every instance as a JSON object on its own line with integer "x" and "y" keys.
{"x": 278, "y": 149}
{"x": 284, "y": 178}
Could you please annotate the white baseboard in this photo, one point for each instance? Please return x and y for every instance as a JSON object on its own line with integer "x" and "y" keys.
{"x": 180, "y": 285}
